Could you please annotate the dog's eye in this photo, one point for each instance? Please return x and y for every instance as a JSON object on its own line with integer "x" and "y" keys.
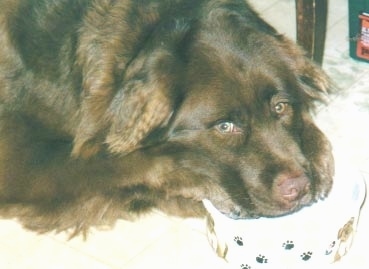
{"x": 281, "y": 108}
{"x": 227, "y": 127}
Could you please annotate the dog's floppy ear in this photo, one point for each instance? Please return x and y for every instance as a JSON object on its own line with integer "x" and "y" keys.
{"x": 122, "y": 112}
{"x": 313, "y": 81}
{"x": 143, "y": 102}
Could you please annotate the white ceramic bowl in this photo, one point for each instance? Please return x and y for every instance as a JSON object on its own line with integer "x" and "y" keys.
{"x": 315, "y": 235}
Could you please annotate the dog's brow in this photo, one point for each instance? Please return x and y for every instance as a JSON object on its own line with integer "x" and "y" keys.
{"x": 266, "y": 93}
{"x": 283, "y": 95}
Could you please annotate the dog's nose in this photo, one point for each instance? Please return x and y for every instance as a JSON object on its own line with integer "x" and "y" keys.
{"x": 291, "y": 187}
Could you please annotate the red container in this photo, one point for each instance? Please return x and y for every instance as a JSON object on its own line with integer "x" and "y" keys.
{"x": 359, "y": 29}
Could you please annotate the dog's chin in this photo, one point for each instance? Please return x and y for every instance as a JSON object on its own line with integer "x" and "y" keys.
{"x": 267, "y": 210}
{"x": 240, "y": 214}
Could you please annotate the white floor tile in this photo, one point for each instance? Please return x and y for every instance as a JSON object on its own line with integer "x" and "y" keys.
{"x": 282, "y": 9}
{"x": 180, "y": 248}
{"x": 127, "y": 240}
{"x": 262, "y": 5}
{"x": 22, "y": 249}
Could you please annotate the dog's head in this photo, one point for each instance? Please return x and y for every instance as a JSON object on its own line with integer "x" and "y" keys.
{"x": 229, "y": 102}
{"x": 246, "y": 118}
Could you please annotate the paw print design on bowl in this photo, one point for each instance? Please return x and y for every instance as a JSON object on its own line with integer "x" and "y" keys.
{"x": 316, "y": 235}
{"x": 306, "y": 255}
{"x": 288, "y": 245}
{"x": 238, "y": 240}
{"x": 261, "y": 259}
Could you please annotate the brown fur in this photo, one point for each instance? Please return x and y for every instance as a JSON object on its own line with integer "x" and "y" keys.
{"x": 111, "y": 108}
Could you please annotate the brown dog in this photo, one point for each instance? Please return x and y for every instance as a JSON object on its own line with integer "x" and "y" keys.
{"x": 112, "y": 107}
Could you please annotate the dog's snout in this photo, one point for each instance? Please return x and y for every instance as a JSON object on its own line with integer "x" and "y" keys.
{"x": 291, "y": 187}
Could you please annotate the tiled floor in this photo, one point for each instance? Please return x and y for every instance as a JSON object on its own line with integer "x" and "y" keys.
{"x": 158, "y": 241}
